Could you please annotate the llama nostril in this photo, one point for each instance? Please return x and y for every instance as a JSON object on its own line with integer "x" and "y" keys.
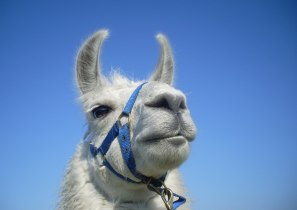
{"x": 182, "y": 104}
{"x": 170, "y": 102}
{"x": 161, "y": 103}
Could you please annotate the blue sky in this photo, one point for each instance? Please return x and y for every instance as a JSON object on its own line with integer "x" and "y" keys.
{"x": 236, "y": 61}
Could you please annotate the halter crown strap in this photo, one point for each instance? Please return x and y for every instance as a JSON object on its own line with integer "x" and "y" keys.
{"x": 128, "y": 108}
{"x": 123, "y": 132}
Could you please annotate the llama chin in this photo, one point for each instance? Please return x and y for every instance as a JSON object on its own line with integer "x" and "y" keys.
{"x": 158, "y": 135}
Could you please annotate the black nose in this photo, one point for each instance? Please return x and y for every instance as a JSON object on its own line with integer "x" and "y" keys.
{"x": 174, "y": 102}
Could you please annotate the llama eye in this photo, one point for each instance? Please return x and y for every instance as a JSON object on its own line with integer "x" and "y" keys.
{"x": 101, "y": 111}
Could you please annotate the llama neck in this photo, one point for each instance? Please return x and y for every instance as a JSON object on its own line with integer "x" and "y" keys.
{"x": 82, "y": 189}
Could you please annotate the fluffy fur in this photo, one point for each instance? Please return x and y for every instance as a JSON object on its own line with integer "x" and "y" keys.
{"x": 161, "y": 131}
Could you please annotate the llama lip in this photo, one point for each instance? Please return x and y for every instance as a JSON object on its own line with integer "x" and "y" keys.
{"x": 174, "y": 140}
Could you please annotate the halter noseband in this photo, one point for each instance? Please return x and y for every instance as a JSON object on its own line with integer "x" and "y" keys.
{"x": 122, "y": 131}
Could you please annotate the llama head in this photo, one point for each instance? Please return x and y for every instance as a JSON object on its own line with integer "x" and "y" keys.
{"x": 160, "y": 123}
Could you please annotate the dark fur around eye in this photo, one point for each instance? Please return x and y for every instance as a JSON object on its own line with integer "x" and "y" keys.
{"x": 101, "y": 111}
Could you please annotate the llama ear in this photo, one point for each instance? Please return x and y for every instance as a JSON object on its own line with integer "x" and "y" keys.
{"x": 88, "y": 63}
{"x": 165, "y": 69}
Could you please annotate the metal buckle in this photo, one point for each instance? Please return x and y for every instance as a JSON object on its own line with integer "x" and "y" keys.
{"x": 165, "y": 193}
{"x": 167, "y": 197}
{"x": 123, "y": 119}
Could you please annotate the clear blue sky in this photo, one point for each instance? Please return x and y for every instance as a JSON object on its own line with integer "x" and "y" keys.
{"x": 236, "y": 60}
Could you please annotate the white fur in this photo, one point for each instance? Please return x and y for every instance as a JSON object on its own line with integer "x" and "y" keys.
{"x": 160, "y": 136}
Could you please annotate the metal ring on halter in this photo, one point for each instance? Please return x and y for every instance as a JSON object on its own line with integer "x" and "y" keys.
{"x": 122, "y": 123}
{"x": 165, "y": 193}
{"x": 167, "y": 197}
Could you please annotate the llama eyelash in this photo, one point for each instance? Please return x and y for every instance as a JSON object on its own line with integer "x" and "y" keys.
{"x": 92, "y": 108}
{"x": 96, "y": 106}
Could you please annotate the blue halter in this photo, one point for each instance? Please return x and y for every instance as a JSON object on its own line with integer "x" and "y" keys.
{"x": 122, "y": 131}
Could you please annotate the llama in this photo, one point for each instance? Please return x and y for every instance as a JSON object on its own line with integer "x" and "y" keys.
{"x": 157, "y": 131}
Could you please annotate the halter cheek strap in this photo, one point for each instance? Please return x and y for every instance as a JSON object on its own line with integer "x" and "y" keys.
{"x": 171, "y": 200}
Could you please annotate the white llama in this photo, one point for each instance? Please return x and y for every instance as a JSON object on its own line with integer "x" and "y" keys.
{"x": 128, "y": 158}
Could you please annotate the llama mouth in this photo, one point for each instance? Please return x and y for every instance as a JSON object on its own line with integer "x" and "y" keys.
{"x": 174, "y": 140}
